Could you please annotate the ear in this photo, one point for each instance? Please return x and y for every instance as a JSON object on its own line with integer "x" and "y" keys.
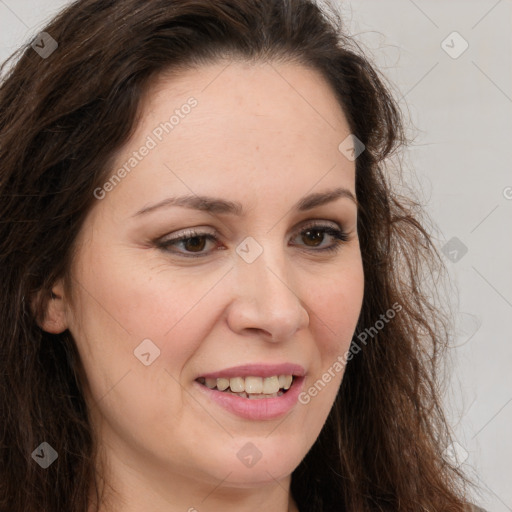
{"x": 55, "y": 320}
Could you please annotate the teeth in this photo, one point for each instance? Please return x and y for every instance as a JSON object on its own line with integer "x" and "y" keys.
{"x": 222, "y": 384}
{"x": 237, "y": 384}
{"x": 259, "y": 397}
{"x": 270, "y": 385}
{"x": 285, "y": 381}
{"x": 210, "y": 383}
{"x": 251, "y": 387}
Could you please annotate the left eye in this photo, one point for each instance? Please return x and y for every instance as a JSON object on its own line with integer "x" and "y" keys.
{"x": 194, "y": 242}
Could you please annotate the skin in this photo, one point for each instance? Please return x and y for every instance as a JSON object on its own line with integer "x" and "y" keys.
{"x": 163, "y": 446}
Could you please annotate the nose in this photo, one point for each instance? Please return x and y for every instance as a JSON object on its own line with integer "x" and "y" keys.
{"x": 266, "y": 300}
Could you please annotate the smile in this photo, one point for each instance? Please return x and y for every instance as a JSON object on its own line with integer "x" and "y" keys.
{"x": 250, "y": 387}
{"x": 253, "y": 392}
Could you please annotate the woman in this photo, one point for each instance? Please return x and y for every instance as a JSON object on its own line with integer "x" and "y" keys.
{"x": 212, "y": 291}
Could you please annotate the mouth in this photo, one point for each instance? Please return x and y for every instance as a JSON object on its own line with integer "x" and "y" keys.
{"x": 251, "y": 387}
{"x": 254, "y": 392}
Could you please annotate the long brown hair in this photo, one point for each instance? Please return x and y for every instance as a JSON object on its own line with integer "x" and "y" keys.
{"x": 62, "y": 118}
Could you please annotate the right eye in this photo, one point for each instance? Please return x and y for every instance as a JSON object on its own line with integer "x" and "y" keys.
{"x": 193, "y": 243}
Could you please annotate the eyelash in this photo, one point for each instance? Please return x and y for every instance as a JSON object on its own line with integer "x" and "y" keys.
{"x": 340, "y": 237}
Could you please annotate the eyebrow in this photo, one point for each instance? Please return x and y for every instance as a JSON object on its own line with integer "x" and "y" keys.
{"x": 216, "y": 205}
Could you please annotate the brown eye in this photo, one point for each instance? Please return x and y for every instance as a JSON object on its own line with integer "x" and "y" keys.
{"x": 194, "y": 244}
{"x": 313, "y": 237}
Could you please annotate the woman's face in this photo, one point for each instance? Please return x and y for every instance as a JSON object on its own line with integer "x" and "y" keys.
{"x": 261, "y": 288}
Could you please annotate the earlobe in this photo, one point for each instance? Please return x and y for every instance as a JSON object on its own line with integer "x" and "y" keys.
{"x": 54, "y": 320}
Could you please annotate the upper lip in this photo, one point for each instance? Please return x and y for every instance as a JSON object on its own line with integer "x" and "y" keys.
{"x": 257, "y": 370}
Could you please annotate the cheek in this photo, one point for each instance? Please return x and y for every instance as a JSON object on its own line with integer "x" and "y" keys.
{"x": 126, "y": 319}
{"x": 121, "y": 307}
{"x": 140, "y": 301}
{"x": 335, "y": 310}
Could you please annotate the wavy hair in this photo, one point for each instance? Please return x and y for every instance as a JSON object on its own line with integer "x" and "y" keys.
{"x": 63, "y": 117}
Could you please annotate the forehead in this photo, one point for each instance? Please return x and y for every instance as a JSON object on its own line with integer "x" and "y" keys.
{"x": 234, "y": 125}
{"x": 250, "y": 88}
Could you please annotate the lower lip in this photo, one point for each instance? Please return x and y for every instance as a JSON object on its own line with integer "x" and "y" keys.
{"x": 256, "y": 409}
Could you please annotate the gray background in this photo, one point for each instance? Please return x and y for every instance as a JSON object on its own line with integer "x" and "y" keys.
{"x": 460, "y": 112}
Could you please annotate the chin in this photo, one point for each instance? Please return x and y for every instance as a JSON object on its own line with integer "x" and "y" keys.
{"x": 256, "y": 461}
